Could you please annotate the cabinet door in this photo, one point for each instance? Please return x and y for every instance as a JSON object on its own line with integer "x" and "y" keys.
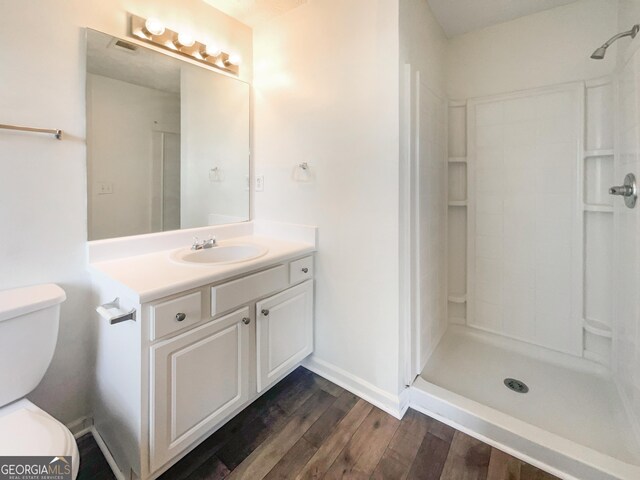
{"x": 197, "y": 380}
{"x": 284, "y": 332}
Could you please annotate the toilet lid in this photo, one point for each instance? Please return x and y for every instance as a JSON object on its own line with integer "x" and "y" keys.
{"x": 26, "y": 432}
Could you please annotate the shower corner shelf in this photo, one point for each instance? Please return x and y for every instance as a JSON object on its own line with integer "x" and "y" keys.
{"x": 589, "y": 207}
{"x": 457, "y": 159}
{"x": 461, "y": 298}
{"x": 595, "y": 357}
{"x": 596, "y": 327}
{"x": 598, "y": 153}
{"x": 457, "y": 203}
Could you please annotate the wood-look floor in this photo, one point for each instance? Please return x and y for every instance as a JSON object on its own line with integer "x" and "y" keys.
{"x": 308, "y": 428}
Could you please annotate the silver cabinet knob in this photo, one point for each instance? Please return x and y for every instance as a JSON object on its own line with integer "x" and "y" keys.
{"x": 305, "y": 270}
{"x": 246, "y": 320}
{"x": 265, "y": 312}
{"x": 181, "y": 316}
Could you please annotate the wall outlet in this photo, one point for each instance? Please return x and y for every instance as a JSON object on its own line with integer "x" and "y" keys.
{"x": 260, "y": 183}
{"x": 105, "y": 188}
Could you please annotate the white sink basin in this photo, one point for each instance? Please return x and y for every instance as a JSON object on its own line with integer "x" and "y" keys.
{"x": 219, "y": 255}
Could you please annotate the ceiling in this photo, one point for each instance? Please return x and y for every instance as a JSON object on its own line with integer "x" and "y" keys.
{"x": 140, "y": 66}
{"x": 252, "y": 12}
{"x": 461, "y": 16}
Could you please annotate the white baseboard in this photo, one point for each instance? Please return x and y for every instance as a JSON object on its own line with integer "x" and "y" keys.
{"x": 81, "y": 426}
{"x": 84, "y": 425}
{"x": 404, "y": 401}
{"x": 107, "y": 454}
{"x": 395, "y": 405}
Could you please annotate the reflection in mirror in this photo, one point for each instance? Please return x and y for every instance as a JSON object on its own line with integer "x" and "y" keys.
{"x": 167, "y": 142}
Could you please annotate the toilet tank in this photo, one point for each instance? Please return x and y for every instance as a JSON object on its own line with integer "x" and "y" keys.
{"x": 29, "y": 318}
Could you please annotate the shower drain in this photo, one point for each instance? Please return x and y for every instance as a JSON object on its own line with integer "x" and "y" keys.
{"x": 516, "y": 385}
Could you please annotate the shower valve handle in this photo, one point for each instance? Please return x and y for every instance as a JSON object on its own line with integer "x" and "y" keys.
{"x": 628, "y": 190}
{"x": 622, "y": 190}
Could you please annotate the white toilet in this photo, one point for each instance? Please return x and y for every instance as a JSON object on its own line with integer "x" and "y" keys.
{"x": 29, "y": 320}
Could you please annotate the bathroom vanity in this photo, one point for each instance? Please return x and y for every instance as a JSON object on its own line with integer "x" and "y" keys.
{"x": 206, "y": 340}
{"x": 189, "y": 331}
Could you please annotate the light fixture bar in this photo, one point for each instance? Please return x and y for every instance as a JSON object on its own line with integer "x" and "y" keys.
{"x": 167, "y": 39}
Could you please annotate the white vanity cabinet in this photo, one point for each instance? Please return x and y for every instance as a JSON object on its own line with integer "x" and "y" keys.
{"x": 284, "y": 334}
{"x": 194, "y": 359}
{"x": 197, "y": 379}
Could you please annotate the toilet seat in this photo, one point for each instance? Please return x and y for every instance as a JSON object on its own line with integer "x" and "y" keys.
{"x": 26, "y": 430}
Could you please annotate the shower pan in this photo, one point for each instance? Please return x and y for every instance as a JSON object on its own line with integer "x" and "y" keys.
{"x": 540, "y": 354}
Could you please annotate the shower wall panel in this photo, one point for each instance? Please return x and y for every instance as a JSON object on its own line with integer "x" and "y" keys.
{"x": 626, "y": 324}
{"x": 431, "y": 151}
{"x": 525, "y": 216}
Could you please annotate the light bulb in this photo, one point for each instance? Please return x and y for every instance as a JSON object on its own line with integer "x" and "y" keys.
{"x": 153, "y": 26}
{"x": 185, "y": 40}
{"x": 211, "y": 51}
{"x": 234, "y": 60}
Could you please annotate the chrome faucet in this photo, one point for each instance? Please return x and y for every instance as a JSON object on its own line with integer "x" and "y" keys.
{"x": 204, "y": 244}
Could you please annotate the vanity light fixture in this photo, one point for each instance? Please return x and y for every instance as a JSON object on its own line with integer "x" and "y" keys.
{"x": 153, "y": 26}
{"x": 184, "y": 40}
{"x": 151, "y": 30}
{"x": 210, "y": 51}
{"x": 233, "y": 60}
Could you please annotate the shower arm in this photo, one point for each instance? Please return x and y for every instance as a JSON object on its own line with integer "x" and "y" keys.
{"x": 630, "y": 33}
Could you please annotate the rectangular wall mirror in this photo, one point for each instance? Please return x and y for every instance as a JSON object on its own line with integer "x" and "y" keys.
{"x": 167, "y": 142}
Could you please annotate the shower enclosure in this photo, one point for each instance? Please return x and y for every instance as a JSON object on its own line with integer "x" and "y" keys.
{"x": 541, "y": 352}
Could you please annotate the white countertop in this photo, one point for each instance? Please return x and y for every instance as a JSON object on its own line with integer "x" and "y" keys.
{"x": 153, "y": 276}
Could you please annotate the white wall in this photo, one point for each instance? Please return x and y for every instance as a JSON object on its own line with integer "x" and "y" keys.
{"x": 628, "y": 15}
{"x": 326, "y": 92}
{"x": 423, "y": 43}
{"x": 122, "y": 118}
{"x": 423, "y": 160}
{"x": 546, "y": 48}
{"x": 43, "y": 182}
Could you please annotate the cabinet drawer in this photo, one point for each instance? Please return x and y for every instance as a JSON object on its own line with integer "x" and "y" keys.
{"x": 229, "y": 295}
{"x": 166, "y": 316}
{"x": 301, "y": 270}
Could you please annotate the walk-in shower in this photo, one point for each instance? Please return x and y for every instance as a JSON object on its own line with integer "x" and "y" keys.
{"x": 540, "y": 355}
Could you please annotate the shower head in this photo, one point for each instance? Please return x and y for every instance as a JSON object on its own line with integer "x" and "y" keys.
{"x": 600, "y": 52}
